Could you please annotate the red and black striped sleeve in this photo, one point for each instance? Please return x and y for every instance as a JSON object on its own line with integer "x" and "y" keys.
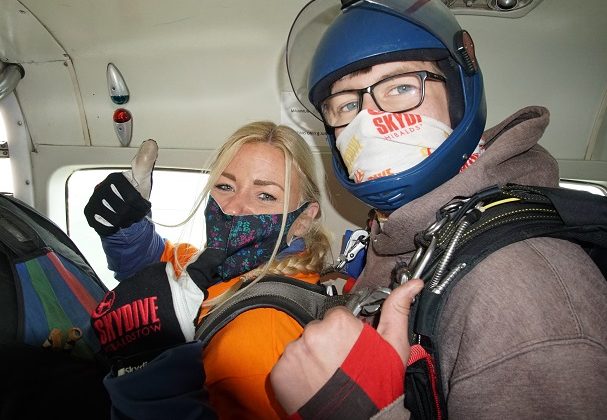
{"x": 369, "y": 379}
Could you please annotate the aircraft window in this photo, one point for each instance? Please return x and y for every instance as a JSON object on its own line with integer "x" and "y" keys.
{"x": 583, "y": 186}
{"x": 173, "y": 196}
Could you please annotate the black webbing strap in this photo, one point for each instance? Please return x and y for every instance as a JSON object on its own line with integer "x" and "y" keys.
{"x": 304, "y": 302}
{"x": 576, "y": 216}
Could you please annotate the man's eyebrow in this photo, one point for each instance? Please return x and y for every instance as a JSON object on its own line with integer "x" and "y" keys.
{"x": 263, "y": 182}
{"x": 400, "y": 70}
{"x": 405, "y": 67}
{"x": 394, "y": 73}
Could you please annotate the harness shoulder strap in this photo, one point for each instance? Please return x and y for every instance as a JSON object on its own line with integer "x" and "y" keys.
{"x": 502, "y": 216}
{"x": 470, "y": 229}
{"x": 304, "y": 302}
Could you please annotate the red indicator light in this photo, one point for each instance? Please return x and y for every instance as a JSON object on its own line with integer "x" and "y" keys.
{"x": 121, "y": 115}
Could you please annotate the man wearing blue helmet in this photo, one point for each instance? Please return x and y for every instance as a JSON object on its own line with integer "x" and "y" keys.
{"x": 399, "y": 89}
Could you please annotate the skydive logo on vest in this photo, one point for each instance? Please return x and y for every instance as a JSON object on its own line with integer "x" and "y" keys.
{"x": 117, "y": 328}
{"x": 392, "y": 126}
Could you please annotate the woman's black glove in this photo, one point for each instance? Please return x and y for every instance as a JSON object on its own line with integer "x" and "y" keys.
{"x": 115, "y": 204}
{"x": 121, "y": 199}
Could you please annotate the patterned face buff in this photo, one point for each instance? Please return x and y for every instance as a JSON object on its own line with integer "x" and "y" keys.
{"x": 377, "y": 143}
{"x": 247, "y": 240}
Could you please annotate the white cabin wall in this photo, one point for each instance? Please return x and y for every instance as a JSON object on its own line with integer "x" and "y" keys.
{"x": 48, "y": 95}
{"x": 556, "y": 56}
{"x": 195, "y": 70}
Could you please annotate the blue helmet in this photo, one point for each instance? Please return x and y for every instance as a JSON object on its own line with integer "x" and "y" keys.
{"x": 370, "y": 32}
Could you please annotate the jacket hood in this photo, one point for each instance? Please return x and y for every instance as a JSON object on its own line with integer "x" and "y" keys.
{"x": 511, "y": 155}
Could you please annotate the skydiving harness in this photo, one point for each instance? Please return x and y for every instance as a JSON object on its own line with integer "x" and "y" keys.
{"x": 466, "y": 230}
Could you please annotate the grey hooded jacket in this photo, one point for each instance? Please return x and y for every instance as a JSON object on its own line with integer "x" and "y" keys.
{"x": 524, "y": 334}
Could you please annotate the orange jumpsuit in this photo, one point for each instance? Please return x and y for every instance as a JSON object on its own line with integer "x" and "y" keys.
{"x": 238, "y": 360}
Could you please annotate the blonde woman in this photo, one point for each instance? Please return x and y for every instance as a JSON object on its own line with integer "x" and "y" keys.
{"x": 262, "y": 216}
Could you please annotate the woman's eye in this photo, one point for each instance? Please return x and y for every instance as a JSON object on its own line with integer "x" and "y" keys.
{"x": 224, "y": 187}
{"x": 267, "y": 197}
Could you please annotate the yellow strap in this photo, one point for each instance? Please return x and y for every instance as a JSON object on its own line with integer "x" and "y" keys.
{"x": 497, "y": 203}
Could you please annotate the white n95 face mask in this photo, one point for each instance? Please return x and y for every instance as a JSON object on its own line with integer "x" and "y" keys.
{"x": 377, "y": 144}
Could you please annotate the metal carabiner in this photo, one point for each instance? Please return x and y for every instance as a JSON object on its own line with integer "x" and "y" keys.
{"x": 357, "y": 242}
{"x": 419, "y": 268}
{"x": 417, "y": 264}
{"x": 370, "y": 302}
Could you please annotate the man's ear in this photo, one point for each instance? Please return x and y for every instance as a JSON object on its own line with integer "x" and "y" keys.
{"x": 302, "y": 224}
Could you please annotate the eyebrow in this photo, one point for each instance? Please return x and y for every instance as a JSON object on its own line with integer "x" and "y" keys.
{"x": 260, "y": 182}
{"x": 405, "y": 67}
{"x": 263, "y": 183}
{"x": 354, "y": 74}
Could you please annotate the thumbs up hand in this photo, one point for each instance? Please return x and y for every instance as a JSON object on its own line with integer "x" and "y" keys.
{"x": 308, "y": 363}
{"x": 142, "y": 166}
{"x": 394, "y": 318}
{"x": 121, "y": 199}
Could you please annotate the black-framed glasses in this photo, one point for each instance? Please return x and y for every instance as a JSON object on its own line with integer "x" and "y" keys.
{"x": 399, "y": 93}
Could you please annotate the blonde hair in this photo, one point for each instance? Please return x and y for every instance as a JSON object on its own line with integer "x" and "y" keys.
{"x": 299, "y": 156}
